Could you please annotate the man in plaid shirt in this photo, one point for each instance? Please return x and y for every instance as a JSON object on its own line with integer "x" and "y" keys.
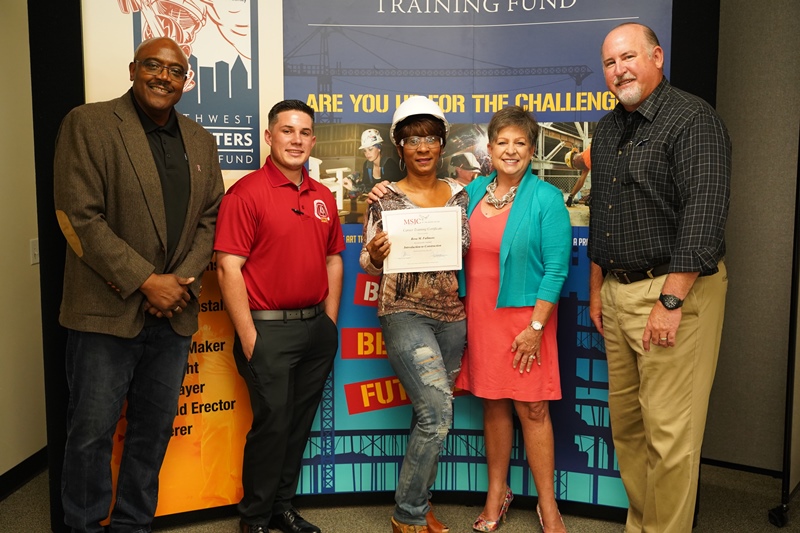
{"x": 661, "y": 163}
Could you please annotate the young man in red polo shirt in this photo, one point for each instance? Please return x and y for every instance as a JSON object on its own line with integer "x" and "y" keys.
{"x": 278, "y": 242}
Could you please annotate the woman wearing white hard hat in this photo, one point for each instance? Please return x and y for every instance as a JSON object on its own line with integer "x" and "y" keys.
{"x": 422, "y": 317}
{"x": 377, "y": 167}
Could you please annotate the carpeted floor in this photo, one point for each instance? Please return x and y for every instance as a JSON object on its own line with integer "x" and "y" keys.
{"x": 731, "y": 501}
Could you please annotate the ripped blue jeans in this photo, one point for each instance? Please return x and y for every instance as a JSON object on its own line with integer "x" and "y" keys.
{"x": 426, "y": 356}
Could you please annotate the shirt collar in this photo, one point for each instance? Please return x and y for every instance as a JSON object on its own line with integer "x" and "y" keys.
{"x": 277, "y": 179}
{"x": 646, "y": 109}
{"x": 171, "y": 127}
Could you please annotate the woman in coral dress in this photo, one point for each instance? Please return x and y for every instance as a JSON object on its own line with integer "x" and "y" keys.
{"x": 517, "y": 264}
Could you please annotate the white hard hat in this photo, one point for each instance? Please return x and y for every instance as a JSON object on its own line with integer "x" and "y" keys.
{"x": 370, "y": 137}
{"x": 417, "y": 105}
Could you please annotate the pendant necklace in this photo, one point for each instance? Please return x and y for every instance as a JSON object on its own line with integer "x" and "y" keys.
{"x": 502, "y": 202}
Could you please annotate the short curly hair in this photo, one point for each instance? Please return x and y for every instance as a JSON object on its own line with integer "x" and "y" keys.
{"x": 514, "y": 116}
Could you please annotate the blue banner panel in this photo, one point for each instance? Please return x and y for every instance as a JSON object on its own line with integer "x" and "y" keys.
{"x": 356, "y": 60}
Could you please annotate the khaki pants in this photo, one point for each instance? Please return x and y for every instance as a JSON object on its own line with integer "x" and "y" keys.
{"x": 658, "y": 400}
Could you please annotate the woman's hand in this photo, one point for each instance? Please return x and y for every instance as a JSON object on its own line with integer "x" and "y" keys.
{"x": 379, "y": 248}
{"x": 377, "y": 192}
{"x": 526, "y": 347}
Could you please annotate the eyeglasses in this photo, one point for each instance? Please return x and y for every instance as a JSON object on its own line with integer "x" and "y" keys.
{"x": 415, "y": 141}
{"x": 155, "y": 68}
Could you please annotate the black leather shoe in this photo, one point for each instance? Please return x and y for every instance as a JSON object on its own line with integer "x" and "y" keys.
{"x": 252, "y": 528}
{"x": 290, "y": 521}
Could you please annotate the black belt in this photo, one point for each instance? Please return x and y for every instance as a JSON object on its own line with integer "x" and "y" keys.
{"x": 289, "y": 314}
{"x": 625, "y": 276}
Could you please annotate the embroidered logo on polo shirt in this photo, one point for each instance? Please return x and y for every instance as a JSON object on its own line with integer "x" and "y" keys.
{"x": 321, "y": 211}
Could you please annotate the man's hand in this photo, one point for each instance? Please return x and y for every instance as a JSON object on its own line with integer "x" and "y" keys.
{"x": 377, "y": 192}
{"x": 596, "y": 311}
{"x": 662, "y": 327}
{"x": 662, "y": 324}
{"x": 152, "y": 310}
{"x": 595, "y": 303}
{"x": 167, "y": 293}
{"x": 249, "y": 343}
{"x": 234, "y": 293}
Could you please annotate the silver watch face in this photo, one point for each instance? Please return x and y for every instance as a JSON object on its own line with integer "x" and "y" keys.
{"x": 670, "y": 301}
{"x": 536, "y": 325}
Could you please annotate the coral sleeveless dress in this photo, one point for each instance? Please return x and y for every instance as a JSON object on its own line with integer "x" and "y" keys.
{"x": 486, "y": 369}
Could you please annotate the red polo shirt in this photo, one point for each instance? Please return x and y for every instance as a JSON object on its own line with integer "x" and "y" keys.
{"x": 285, "y": 232}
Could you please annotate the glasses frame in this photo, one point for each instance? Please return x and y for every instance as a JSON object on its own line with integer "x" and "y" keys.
{"x": 416, "y": 141}
{"x": 149, "y": 66}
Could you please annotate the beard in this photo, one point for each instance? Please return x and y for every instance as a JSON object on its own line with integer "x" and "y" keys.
{"x": 629, "y": 95}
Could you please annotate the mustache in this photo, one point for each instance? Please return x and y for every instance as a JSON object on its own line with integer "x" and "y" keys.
{"x": 618, "y": 80}
{"x": 163, "y": 84}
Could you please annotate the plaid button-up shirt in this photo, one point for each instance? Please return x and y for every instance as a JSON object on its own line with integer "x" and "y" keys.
{"x": 660, "y": 185}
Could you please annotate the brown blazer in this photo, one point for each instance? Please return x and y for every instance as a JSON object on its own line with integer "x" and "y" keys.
{"x": 110, "y": 208}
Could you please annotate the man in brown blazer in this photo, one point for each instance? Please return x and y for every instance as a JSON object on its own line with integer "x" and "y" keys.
{"x": 137, "y": 188}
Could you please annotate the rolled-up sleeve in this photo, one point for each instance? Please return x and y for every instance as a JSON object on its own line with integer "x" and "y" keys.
{"x": 702, "y": 172}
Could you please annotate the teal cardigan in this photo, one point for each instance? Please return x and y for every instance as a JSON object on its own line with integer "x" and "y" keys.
{"x": 536, "y": 244}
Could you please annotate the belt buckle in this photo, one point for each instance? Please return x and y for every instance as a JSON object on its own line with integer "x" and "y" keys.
{"x": 622, "y": 276}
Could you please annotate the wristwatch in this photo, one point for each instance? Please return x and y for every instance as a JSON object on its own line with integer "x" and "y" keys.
{"x": 670, "y": 301}
{"x": 536, "y": 325}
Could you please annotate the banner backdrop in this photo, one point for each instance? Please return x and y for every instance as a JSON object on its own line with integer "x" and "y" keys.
{"x": 354, "y": 61}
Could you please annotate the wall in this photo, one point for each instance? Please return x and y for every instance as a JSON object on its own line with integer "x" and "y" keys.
{"x": 758, "y": 79}
{"x": 22, "y": 418}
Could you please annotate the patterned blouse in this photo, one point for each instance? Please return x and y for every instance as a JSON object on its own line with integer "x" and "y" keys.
{"x": 431, "y": 294}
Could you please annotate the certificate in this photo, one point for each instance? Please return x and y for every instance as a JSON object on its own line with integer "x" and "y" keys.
{"x": 423, "y": 240}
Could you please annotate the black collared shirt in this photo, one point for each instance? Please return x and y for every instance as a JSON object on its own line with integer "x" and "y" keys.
{"x": 170, "y": 158}
{"x": 660, "y": 185}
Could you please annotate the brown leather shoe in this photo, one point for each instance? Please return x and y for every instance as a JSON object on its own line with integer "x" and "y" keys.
{"x": 399, "y": 527}
{"x": 434, "y": 526}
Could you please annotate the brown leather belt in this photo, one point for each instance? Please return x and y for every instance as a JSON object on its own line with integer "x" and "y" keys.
{"x": 289, "y": 314}
{"x": 625, "y": 277}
